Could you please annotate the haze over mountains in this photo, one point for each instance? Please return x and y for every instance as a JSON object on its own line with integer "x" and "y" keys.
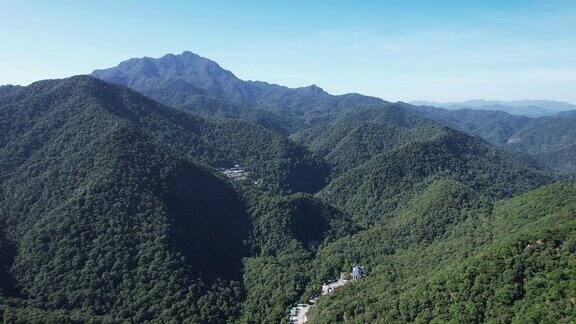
{"x": 114, "y": 205}
{"x": 549, "y": 139}
{"x": 530, "y": 108}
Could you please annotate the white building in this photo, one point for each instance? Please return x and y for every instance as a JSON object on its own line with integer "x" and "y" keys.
{"x": 357, "y": 272}
{"x": 330, "y": 287}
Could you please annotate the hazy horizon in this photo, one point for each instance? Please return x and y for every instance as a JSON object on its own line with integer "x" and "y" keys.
{"x": 447, "y": 51}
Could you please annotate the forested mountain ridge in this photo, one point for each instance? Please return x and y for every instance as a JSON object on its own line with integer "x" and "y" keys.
{"x": 375, "y": 188}
{"x": 421, "y": 184}
{"x": 496, "y": 127}
{"x": 199, "y": 85}
{"x": 109, "y": 203}
{"x": 352, "y": 137}
{"x": 550, "y": 139}
{"x": 529, "y": 108}
{"x": 94, "y": 209}
{"x": 33, "y": 113}
{"x": 200, "y": 76}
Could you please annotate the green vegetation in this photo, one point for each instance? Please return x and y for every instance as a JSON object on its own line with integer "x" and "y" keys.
{"x": 107, "y": 214}
{"x": 199, "y": 85}
{"x": 287, "y": 233}
{"x": 48, "y": 110}
{"x": 518, "y": 265}
{"x": 374, "y": 189}
{"x": 112, "y": 208}
{"x": 551, "y": 139}
{"x": 352, "y": 137}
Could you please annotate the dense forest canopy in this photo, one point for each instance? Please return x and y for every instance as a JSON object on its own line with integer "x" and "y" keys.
{"x": 117, "y": 203}
{"x": 514, "y": 262}
{"x": 550, "y": 139}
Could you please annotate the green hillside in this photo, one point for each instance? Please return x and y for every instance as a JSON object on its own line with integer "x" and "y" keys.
{"x": 349, "y": 138}
{"x": 376, "y": 188}
{"x": 545, "y": 135}
{"x": 287, "y": 233}
{"x": 430, "y": 194}
{"x": 110, "y": 208}
{"x": 199, "y": 85}
{"x": 518, "y": 265}
{"x": 550, "y": 139}
{"x": 121, "y": 229}
{"x": 40, "y": 113}
{"x": 196, "y": 84}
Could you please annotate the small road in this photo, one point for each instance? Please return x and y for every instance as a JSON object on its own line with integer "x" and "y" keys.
{"x": 302, "y": 318}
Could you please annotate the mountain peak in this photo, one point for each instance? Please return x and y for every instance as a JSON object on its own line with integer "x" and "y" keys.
{"x": 185, "y": 56}
{"x": 156, "y": 77}
{"x": 313, "y": 88}
{"x": 143, "y": 74}
{"x": 188, "y": 53}
{"x": 316, "y": 88}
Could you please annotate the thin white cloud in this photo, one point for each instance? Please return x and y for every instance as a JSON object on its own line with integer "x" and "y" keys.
{"x": 444, "y": 63}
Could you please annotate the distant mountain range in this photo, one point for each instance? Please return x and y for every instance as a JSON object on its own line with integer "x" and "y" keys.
{"x": 193, "y": 82}
{"x": 530, "y": 108}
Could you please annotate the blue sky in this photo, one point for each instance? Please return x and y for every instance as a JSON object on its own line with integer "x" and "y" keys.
{"x": 397, "y": 50}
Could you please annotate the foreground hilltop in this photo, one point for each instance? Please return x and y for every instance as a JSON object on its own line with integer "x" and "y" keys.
{"x": 111, "y": 200}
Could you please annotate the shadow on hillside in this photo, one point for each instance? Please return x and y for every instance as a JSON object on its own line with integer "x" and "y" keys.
{"x": 210, "y": 224}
